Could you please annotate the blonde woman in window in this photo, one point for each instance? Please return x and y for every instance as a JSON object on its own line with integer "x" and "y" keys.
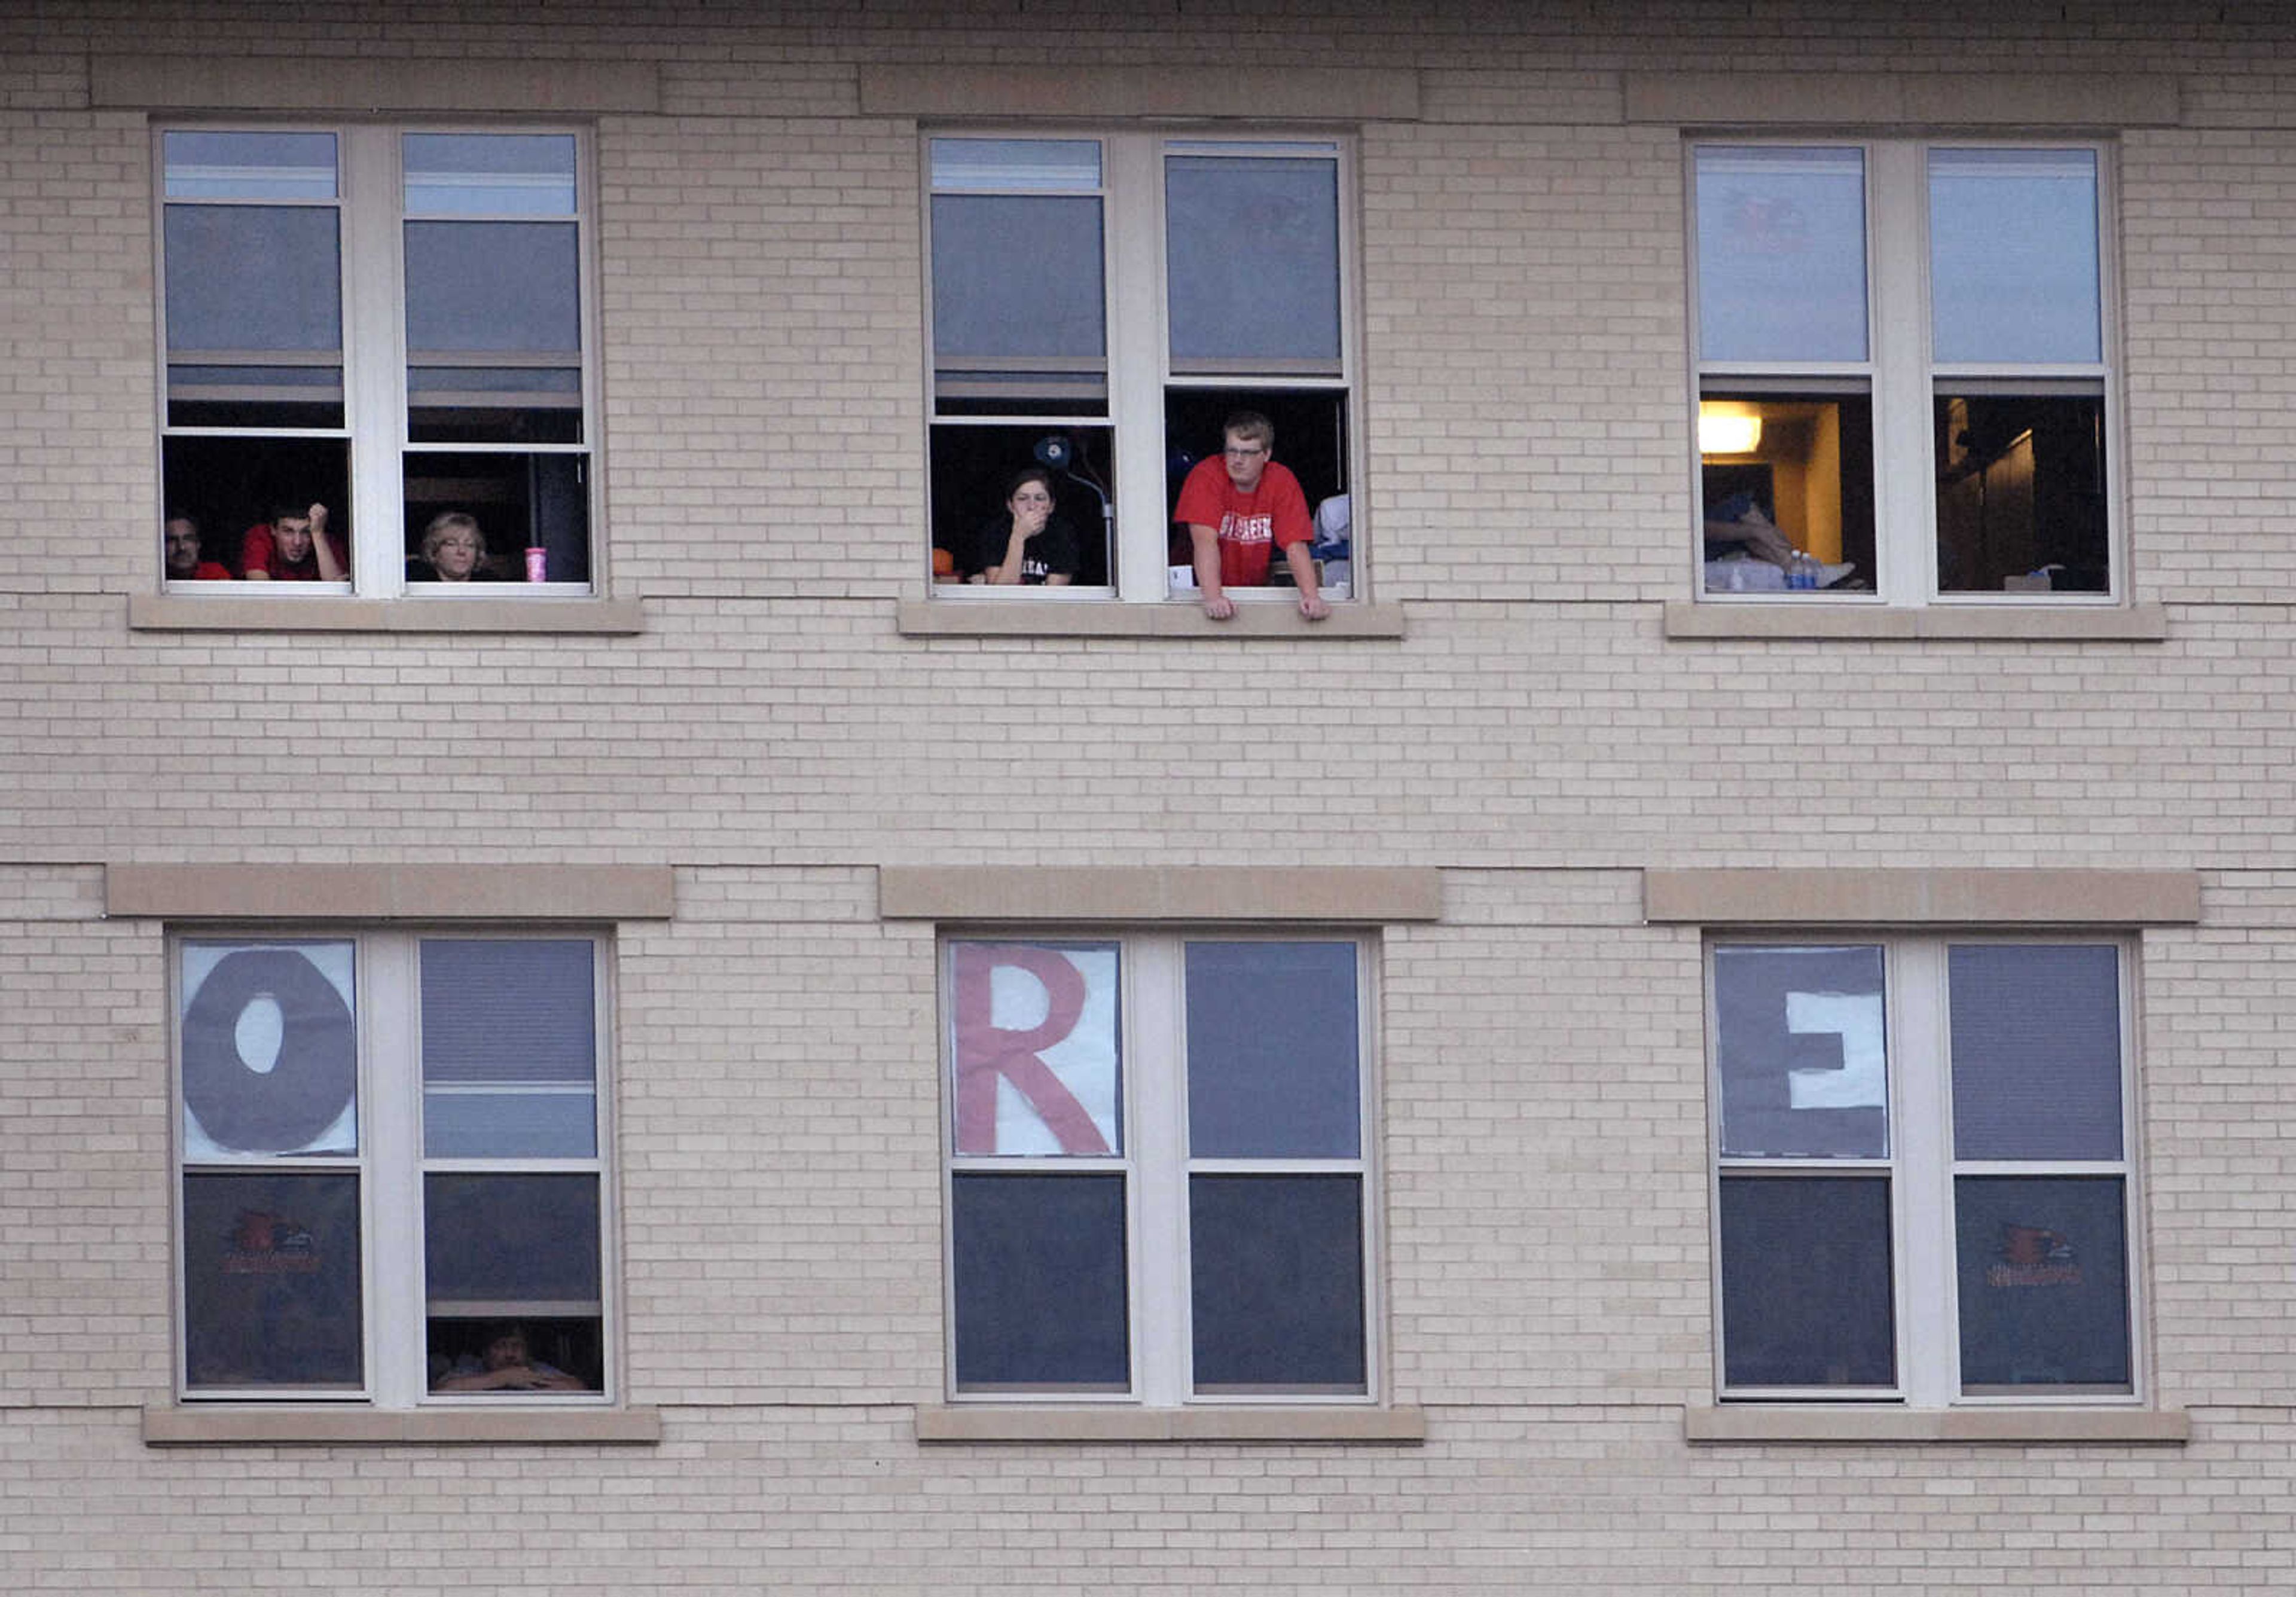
{"x": 454, "y": 549}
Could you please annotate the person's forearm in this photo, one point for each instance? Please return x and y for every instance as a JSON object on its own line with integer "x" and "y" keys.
{"x": 1203, "y": 545}
{"x": 1303, "y": 567}
{"x": 1008, "y": 572}
{"x": 331, "y": 569}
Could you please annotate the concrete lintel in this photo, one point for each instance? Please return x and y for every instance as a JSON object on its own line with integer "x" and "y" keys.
{"x": 929, "y": 90}
{"x": 473, "y": 892}
{"x": 461, "y": 83}
{"x": 1851, "y": 896}
{"x": 2037, "y": 100}
{"x": 1160, "y": 893}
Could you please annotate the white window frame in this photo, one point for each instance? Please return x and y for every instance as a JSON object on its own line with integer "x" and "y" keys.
{"x": 1139, "y": 353}
{"x": 1156, "y": 1166}
{"x": 371, "y": 208}
{"x": 1902, "y": 377}
{"x": 1924, "y": 1307}
{"x": 390, "y": 1165}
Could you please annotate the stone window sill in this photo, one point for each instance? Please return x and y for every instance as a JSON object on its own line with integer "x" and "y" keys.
{"x": 1861, "y": 1426}
{"x": 1111, "y": 618}
{"x": 998, "y": 1422}
{"x": 191, "y": 1425}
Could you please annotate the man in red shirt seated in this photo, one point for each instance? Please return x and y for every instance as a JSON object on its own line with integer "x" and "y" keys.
{"x": 1239, "y": 508}
{"x": 182, "y": 541}
{"x": 292, "y": 547}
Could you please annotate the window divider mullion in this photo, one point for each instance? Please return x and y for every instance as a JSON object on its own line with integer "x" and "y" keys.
{"x": 1132, "y": 177}
{"x": 1898, "y": 294}
{"x": 1159, "y": 1272}
{"x": 374, "y": 358}
{"x": 1922, "y": 1150}
{"x": 390, "y": 1139}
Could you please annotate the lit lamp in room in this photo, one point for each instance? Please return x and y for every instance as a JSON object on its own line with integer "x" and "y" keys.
{"x": 1726, "y": 429}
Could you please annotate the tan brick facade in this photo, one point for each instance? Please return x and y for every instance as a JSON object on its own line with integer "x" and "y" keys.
{"x": 1533, "y": 730}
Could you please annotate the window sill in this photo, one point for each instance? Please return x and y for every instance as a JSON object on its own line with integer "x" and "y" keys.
{"x": 2018, "y": 623}
{"x": 1861, "y": 1426}
{"x": 167, "y": 612}
{"x": 1111, "y": 618}
{"x": 997, "y": 1422}
{"x": 183, "y": 1425}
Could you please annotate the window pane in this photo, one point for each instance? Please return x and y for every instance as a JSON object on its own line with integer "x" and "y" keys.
{"x": 1273, "y": 1065}
{"x": 229, "y": 484}
{"x": 269, "y": 1049}
{"x": 2014, "y": 255}
{"x": 1781, "y": 254}
{"x": 1276, "y": 1271}
{"x": 2036, "y": 1052}
{"x": 2044, "y": 1281}
{"x": 1800, "y": 1053}
{"x": 1806, "y": 1281}
{"x": 1786, "y": 473}
{"x": 492, "y": 285}
{"x": 1034, "y": 1048}
{"x": 1040, "y": 1294}
{"x": 510, "y": 1244}
{"x": 1252, "y": 262}
{"x": 1018, "y": 291}
{"x": 256, "y": 278}
{"x": 1015, "y": 164}
{"x": 973, "y": 467}
{"x": 271, "y": 1280}
{"x": 561, "y": 1353}
{"x": 509, "y": 1049}
{"x": 2021, "y": 501}
{"x": 490, "y": 174}
{"x": 249, "y": 166}
{"x": 521, "y": 502}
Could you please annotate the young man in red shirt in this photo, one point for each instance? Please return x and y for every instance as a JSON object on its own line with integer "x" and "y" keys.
{"x": 1239, "y": 508}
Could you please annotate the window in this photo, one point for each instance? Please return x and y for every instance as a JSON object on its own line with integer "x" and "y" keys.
{"x": 1164, "y": 283}
{"x": 1902, "y": 369}
{"x": 1924, "y": 1189}
{"x": 390, "y": 325}
{"x": 392, "y": 1163}
{"x": 1157, "y": 1181}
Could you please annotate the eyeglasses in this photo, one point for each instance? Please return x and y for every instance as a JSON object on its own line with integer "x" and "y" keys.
{"x": 1245, "y": 451}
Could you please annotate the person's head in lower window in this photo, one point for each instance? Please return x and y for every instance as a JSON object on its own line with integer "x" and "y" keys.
{"x": 453, "y": 546}
{"x": 182, "y": 542}
{"x": 506, "y": 1348}
{"x": 1249, "y": 440}
{"x": 291, "y": 533}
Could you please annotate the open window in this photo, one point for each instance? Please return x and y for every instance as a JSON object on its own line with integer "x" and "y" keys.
{"x": 1166, "y": 284}
{"x": 1903, "y": 380}
{"x": 297, "y": 265}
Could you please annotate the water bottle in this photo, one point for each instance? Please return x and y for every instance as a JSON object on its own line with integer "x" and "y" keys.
{"x": 1801, "y": 576}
